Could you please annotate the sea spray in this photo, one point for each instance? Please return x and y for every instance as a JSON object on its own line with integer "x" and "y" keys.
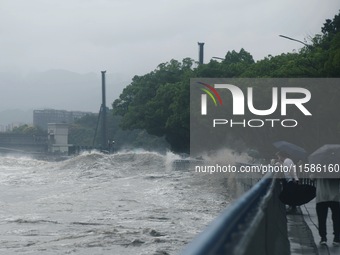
{"x": 229, "y": 159}
{"x": 102, "y": 203}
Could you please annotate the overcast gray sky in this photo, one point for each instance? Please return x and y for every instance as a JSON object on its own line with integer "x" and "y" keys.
{"x": 128, "y": 37}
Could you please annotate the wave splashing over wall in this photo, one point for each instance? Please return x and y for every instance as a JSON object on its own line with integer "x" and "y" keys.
{"x": 124, "y": 203}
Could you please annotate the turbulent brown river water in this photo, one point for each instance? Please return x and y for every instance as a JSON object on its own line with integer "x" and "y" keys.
{"x": 125, "y": 203}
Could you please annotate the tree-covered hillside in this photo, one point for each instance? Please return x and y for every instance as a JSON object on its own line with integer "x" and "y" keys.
{"x": 159, "y": 101}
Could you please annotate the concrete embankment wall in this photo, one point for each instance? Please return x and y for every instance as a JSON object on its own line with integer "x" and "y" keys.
{"x": 18, "y": 143}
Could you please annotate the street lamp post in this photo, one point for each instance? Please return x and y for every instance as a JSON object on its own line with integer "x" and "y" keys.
{"x": 219, "y": 58}
{"x": 292, "y": 39}
{"x": 309, "y": 47}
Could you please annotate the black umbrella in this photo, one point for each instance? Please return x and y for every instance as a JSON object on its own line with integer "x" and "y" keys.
{"x": 297, "y": 194}
{"x": 295, "y": 152}
{"x": 327, "y": 154}
{"x": 326, "y": 160}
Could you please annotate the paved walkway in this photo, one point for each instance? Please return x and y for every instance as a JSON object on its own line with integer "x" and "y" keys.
{"x": 304, "y": 236}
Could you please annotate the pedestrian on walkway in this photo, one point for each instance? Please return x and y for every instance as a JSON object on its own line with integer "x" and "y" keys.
{"x": 328, "y": 196}
{"x": 291, "y": 180}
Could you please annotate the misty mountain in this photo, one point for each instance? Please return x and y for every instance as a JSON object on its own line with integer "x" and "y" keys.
{"x": 16, "y": 116}
{"x": 55, "y": 89}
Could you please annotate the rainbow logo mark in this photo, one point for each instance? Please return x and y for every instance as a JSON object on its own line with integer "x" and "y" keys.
{"x": 211, "y": 91}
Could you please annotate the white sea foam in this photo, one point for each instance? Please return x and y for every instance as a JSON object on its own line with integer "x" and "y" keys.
{"x": 125, "y": 203}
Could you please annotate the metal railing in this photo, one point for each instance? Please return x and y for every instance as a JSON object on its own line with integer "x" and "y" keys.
{"x": 254, "y": 224}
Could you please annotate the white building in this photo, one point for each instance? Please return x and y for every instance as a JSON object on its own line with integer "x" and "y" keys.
{"x": 58, "y": 138}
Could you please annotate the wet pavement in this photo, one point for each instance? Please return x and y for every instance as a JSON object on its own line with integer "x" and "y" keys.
{"x": 303, "y": 232}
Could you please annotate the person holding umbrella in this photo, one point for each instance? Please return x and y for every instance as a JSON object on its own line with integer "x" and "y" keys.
{"x": 328, "y": 196}
{"x": 327, "y": 191}
{"x": 290, "y": 180}
{"x": 293, "y": 193}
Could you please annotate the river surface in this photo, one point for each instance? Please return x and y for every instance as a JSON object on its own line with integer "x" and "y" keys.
{"x": 125, "y": 203}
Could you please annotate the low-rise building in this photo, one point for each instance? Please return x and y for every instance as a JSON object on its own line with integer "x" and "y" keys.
{"x": 41, "y": 118}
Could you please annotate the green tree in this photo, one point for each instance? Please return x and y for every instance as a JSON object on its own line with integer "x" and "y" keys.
{"x": 151, "y": 102}
{"x": 158, "y": 102}
{"x": 28, "y": 130}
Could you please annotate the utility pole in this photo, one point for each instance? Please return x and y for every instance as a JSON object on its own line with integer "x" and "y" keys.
{"x": 103, "y": 110}
{"x": 200, "y": 52}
